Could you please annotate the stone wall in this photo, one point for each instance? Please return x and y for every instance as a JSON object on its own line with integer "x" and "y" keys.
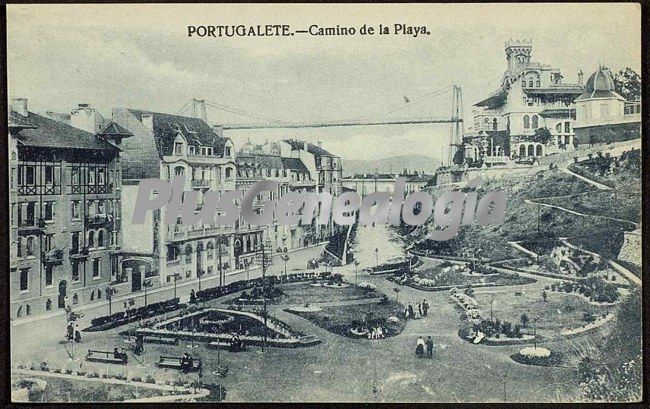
{"x": 631, "y": 249}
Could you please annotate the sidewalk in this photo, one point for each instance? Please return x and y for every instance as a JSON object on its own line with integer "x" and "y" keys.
{"x": 182, "y": 287}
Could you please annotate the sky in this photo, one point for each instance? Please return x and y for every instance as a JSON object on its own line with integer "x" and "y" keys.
{"x": 139, "y": 56}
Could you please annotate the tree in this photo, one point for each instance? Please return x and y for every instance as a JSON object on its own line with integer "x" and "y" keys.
{"x": 542, "y": 135}
{"x": 628, "y": 83}
{"x": 524, "y": 320}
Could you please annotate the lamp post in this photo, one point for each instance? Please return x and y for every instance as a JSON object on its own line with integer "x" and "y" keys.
{"x": 199, "y": 274}
{"x": 176, "y": 276}
{"x": 220, "y": 253}
{"x": 377, "y": 256}
{"x": 146, "y": 284}
{"x": 285, "y": 257}
{"x": 109, "y": 295}
{"x": 535, "y": 333}
{"x": 356, "y": 272}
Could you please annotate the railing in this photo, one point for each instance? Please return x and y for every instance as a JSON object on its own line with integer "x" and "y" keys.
{"x": 201, "y": 183}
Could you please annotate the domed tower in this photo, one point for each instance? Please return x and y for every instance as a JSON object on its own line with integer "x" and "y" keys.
{"x": 518, "y": 54}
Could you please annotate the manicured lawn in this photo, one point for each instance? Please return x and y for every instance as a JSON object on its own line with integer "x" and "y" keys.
{"x": 560, "y": 311}
{"x": 305, "y": 293}
{"x": 340, "y": 319}
{"x": 79, "y": 390}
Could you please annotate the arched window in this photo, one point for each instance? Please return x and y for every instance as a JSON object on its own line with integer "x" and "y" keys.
{"x": 30, "y": 245}
{"x": 535, "y": 122}
{"x": 538, "y": 82}
{"x": 99, "y": 294}
{"x": 188, "y": 254}
{"x": 539, "y": 151}
{"x": 495, "y": 124}
{"x": 530, "y": 82}
{"x": 523, "y": 83}
{"x": 28, "y": 310}
{"x": 91, "y": 239}
{"x": 567, "y": 127}
{"x": 531, "y": 150}
{"x": 179, "y": 170}
{"x": 92, "y": 296}
{"x": 100, "y": 238}
{"x": 210, "y": 250}
{"x": 558, "y": 128}
{"x": 48, "y": 305}
{"x": 19, "y": 312}
{"x": 526, "y": 122}
{"x": 228, "y": 173}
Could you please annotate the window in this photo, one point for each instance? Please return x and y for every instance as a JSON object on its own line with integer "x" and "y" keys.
{"x": 526, "y": 122}
{"x": 91, "y": 176}
{"x": 24, "y": 279}
{"x": 228, "y": 173}
{"x": 227, "y": 150}
{"x": 75, "y": 175}
{"x": 101, "y": 176}
{"x": 538, "y": 82}
{"x": 75, "y": 299}
{"x": 91, "y": 239}
{"x": 49, "y": 211}
{"x": 192, "y": 150}
{"x": 530, "y": 82}
{"x": 558, "y": 128}
{"x": 48, "y": 305}
{"x": 100, "y": 238}
{"x": 535, "y": 122}
{"x": 96, "y": 268}
{"x": 523, "y": 83}
{"x": 48, "y": 242}
{"x": 75, "y": 271}
{"x": 29, "y": 175}
{"x": 188, "y": 254}
{"x": 203, "y": 151}
{"x": 30, "y": 246}
{"x": 567, "y": 127}
{"x": 604, "y": 111}
{"x": 178, "y": 148}
{"x": 75, "y": 243}
{"x": 28, "y": 310}
{"x": 49, "y": 174}
{"x": 209, "y": 151}
{"x": 19, "y": 247}
{"x": 75, "y": 207}
{"x": 48, "y": 275}
{"x": 179, "y": 170}
{"x": 495, "y": 125}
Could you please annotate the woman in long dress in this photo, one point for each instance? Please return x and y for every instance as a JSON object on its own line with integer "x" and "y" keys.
{"x": 419, "y": 348}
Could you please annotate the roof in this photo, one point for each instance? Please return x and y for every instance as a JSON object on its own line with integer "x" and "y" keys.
{"x": 166, "y": 128}
{"x": 559, "y": 113}
{"x": 600, "y": 85}
{"x": 260, "y": 161}
{"x": 294, "y": 164}
{"x": 49, "y": 133}
{"x": 17, "y": 121}
{"x": 311, "y": 148}
{"x": 496, "y": 100}
{"x": 113, "y": 130}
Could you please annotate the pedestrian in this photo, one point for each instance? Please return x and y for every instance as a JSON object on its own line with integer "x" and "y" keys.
{"x": 192, "y": 296}
{"x": 77, "y": 335}
{"x": 429, "y": 344}
{"x": 419, "y": 310}
{"x": 70, "y": 331}
{"x": 419, "y": 347}
{"x": 411, "y": 312}
{"x": 425, "y": 307}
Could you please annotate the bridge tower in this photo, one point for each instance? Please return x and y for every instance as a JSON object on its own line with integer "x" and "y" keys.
{"x": 457, "y": 124}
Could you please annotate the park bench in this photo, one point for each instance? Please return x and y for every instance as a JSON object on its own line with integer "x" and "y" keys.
{"x": 108, "y": 357}
{"x": 173, "y": 362}
{"x": 161, "y": 339}
{"x": 227, "y": 345}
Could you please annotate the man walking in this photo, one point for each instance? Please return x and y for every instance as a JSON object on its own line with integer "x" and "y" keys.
{"x": 425, "y": 307}
{"x": 429, "y": 344}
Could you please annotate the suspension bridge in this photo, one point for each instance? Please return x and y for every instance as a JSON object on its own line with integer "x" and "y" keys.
{"x": 197, "y": 108}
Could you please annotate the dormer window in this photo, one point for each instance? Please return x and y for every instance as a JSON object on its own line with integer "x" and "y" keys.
{"x": 228, "y": 151}
{"x": 209, "y": 150}
{"x": 178, "y": 148}
{"x": 192, "y": 150}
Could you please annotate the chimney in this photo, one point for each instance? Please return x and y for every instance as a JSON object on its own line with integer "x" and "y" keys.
{"x": 320, "y": 144}
{"x": 19, "y": 106}
{"x": 580, "y": 75}
{"x": 218, "y": 129}
{"x": 147, "y": 121}
{"x": 87, "y": 118}
{"x": 198, "y": 108}
{"x": 304, "y": 144}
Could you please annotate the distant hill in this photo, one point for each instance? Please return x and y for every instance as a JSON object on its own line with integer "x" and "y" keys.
{"x": 394, "y": 164}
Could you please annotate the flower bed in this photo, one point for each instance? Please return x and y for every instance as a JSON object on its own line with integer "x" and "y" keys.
{"x": 537, "y": 356}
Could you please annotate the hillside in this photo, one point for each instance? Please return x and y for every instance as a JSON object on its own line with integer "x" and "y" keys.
{"x": 394, "y": 164}
{"x": 537, "y": 225}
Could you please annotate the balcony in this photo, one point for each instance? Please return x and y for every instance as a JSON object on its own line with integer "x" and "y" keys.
{"x": 201, "y": 183}
{"x": 98, "y": 219}
{"x": 79, "y": 253}
{"x": 53, "y": 257}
